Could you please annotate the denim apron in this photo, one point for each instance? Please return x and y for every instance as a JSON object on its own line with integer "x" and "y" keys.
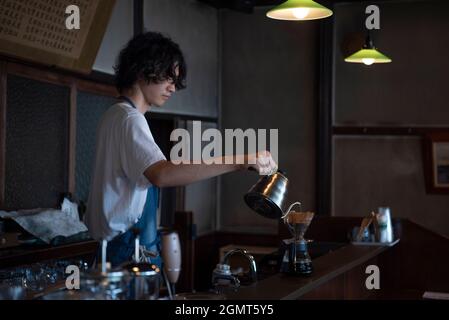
{"x": 121, "y": 248}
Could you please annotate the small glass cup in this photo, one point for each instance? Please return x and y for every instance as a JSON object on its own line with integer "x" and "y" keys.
{"x": 384, "y": 222}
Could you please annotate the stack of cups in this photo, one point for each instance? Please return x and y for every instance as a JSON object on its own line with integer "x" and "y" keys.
{"x": 384, "y": 222}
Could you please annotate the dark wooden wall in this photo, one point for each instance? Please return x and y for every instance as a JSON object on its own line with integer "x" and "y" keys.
{"x": 382, "y": 112}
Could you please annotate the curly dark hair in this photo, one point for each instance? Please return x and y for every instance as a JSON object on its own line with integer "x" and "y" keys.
{"x": 152, "y": 56}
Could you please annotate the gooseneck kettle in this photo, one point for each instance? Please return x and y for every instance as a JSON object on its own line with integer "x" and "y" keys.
{"x": 268, "y": 196}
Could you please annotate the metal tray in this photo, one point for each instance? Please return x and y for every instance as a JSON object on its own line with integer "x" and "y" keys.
{"x": 378, "y": 244}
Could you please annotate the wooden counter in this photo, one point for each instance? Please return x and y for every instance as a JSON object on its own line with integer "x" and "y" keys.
{"x": 418, "y": 263}
{"x": 334, "y": 276}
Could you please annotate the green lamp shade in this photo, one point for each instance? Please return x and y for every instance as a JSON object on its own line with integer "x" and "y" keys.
{"x": 299, "y": 10}
{"x": 368, "y": 57}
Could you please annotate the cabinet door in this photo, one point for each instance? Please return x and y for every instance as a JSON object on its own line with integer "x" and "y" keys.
{"x": 37, "y": 121}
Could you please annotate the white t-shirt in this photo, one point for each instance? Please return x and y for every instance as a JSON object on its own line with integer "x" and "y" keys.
{"x": 124, "y": 149}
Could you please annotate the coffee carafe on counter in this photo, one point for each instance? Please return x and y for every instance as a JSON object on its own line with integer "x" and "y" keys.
{"x": 267, "y": 197}
{"x": 296, "y": 259}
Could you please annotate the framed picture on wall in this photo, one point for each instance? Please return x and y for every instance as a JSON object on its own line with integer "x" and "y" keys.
{"x": 436, "y": 156}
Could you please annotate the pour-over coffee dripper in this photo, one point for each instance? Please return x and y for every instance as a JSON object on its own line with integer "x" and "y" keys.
{"x": 296, "y": 259}
{"x": 268, "y": 198}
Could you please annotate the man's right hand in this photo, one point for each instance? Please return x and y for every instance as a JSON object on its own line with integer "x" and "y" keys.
{"x": 262, "y": 162}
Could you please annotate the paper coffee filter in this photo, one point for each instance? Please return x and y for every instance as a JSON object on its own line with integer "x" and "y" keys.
{"x": 295, "y": 217}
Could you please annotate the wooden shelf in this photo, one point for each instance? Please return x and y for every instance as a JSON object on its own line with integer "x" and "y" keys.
{"x": 27, "y": 255}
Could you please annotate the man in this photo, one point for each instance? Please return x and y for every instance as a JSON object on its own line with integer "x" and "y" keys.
{"x": 129, "y": 166}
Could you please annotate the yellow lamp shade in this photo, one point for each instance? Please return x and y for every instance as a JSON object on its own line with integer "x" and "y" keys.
{"x": 368, "y": 57}
{"x": 368, "y": 54}
{"x": 299, "y": 10}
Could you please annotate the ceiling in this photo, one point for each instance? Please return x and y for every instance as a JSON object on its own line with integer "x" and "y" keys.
{"x": 241, "y": 5}
{"x": 248, "y": 5}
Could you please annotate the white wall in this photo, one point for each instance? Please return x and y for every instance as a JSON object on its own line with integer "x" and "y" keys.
{"x": 118, "y": 33}
{"x": 194, "y": 26}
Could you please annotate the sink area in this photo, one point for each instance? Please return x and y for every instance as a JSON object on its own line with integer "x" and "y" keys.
{"x": 268, "y": 263}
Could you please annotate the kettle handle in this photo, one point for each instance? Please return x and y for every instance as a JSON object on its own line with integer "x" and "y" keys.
{"x": 290, "y": 209}
{"x": 277, "y": 171}
{"x": 286, "y": 215}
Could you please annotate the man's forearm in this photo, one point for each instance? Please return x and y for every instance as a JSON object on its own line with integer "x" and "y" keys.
{"x": 167, "y": 174}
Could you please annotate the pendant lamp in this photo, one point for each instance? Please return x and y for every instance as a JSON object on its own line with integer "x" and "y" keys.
{"x": 299, "y": 10}
{"x": 368, "y": 55}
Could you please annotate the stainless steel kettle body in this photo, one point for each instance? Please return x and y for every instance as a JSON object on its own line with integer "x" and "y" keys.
{"x": 267, "y": 197}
